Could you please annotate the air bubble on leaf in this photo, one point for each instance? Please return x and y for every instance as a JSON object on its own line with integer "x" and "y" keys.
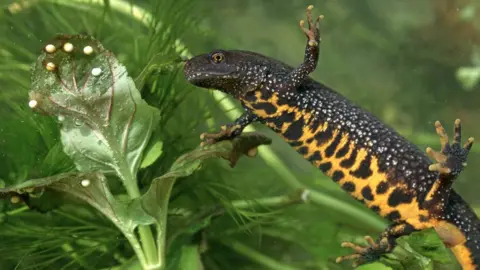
{"x": 60, "y": 118}
{"x": 68, "y": 47}
{"x": 50, "y": 48}
{"x": 88, "y": 50}
{"x": 85, "y": 183}
{"x": 96, "y": 71}
{"x": 32, "y": 103}
{"x": 15, "y": 199}
{"x": 78, "y": 122}
{"x": 51, "y": 66}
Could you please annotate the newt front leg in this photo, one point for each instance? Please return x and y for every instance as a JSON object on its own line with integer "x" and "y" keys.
{"x": 451, "y": 160}
{"x": 312, "y": 51}
{"x": 229, "y": 131}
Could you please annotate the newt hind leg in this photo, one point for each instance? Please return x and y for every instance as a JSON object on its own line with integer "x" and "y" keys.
{"x": 375, "y": 249}
{"x": 364, "y": 254}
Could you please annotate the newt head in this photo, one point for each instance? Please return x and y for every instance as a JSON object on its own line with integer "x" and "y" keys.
{"x": 231, "y": 71}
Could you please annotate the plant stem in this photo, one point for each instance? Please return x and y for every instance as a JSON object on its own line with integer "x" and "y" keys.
{"x": 67, "y": 247}
{"x": 137, "y": 248}
{"x": 256, "y": 256}
{"x": 164, "y": 193}
{"x": 17, "y": 210}
{"x": 276, "y": 201}
{"x": 145, "y": 232}
{"x": 148, "y": 244}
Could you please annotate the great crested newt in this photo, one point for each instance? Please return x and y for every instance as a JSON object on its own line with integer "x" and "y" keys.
{"x": 367, "y": 158}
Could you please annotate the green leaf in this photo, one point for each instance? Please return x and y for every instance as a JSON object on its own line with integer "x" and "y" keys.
{"x": 418, "y": 251}
{"x": 185, "y": 243}
{"x": 188, "y": 230}
{"x": 56, "y": 161}
{"x": 373, "y": 266}
{"x": 105, "y": 123}
{"x": 91, "y": 188}
{"x": 155, "y": 199}
{"x": 190, "y": 258}
{"x": 153, "y": 153}
{"x": 426, "y": 246}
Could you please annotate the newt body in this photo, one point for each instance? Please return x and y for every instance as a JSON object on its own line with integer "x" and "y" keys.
{"x": 368, "y": 159}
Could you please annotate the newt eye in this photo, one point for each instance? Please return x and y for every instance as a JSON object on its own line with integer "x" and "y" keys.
{"x": 218, "y": 57}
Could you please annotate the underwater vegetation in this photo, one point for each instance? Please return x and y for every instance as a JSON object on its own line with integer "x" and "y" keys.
{"x": 101, "y": 162}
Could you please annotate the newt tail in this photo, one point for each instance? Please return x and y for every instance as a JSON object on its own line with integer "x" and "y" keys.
{"x": 367, "y": 158}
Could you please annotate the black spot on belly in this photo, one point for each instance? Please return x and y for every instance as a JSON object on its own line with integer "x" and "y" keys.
{"x": 349, "y": 187}
{"x": 394, "y": 215}
{"x": 314, "y": 125}
{"x": 325, "y": 167}
{"x": 315, "y": 156}
{"x": 277, "y": 124}
{"x": 399, "y": 196}
{"x": 278, "y": 121}
{"x": 295, "y": 143}
{"x": 408, "y": 228}
{"x": 269, "y": 108}
{"x": 367, "y": 193}
{"x": 303, "y": 150}
{"x": 333, "y": 146}
{"x": 250, "y": 96}
{"x": 382, "y": 167}
{"x": 295, "y": 130}
{"x": 323, "y": 136}
{"x": 382, "y": 187}
{"x": 266, "y": 95}
{"x": 343, "y": 151}
{"x": 287, "y": 117}
{"x": 309, "y": 140}
{"x": 423, "y": 218}
{"x": 283, "y": 101}
{"x": 348, "y": 163}
{"x": 337, "y": 176}
{"x": 375, "y": 209}
{"x": 364, "y": 170}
